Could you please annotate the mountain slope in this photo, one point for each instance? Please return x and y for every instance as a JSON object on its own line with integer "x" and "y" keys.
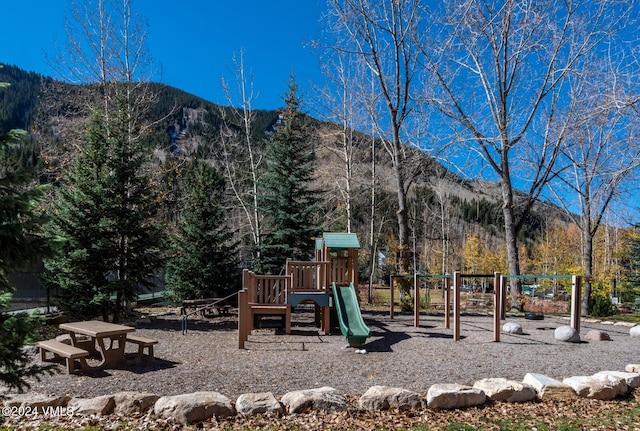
{"x": 192, "y": 126}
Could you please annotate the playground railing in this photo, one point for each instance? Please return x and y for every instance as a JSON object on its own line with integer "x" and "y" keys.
{"x": 308, "y": 276}
{"x": 340, "y": 266}
{"x": 265, "y": 289}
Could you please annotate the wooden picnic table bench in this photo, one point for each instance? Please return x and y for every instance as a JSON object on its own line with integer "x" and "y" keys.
{"x": 96, "y": 339}
{"x": 103, "y": 339}
{"x": 66, "y": 351}
{"x": 142, "y": 343}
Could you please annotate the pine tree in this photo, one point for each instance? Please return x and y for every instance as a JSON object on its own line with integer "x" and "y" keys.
{"x": 79, "y": 271}
{"x": 104, "y": 220}
{"x": 204, "y": 256}
{"x": 288, "y": 203}
{"x": 22, "y": 244}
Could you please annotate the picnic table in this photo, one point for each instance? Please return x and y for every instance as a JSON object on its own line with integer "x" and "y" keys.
{"x": 103, "y": 339}
{"x": 216, "y": 304}
{"x": 479, "y": 302}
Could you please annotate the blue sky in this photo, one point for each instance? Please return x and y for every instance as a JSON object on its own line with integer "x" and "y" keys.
{"x": 192, "y": 42}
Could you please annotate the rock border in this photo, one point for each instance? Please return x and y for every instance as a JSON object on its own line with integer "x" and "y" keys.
{"x": 202, "y": 406}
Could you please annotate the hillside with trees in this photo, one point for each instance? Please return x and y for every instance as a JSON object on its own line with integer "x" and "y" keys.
{"x": 198, "y": 124}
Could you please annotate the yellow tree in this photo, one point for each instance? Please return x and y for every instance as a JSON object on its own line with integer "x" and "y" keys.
{"x": 607, "y": 249}
{"x": 526, "y": 263}
{"x": 558, "y": 252}
{"x": 495, "y": 259}
{"x": 473, "y": 252}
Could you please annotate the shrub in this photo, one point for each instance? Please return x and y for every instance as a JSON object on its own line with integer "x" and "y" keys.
{"x": 602, "y": 306}
{"x": 425, "y": 300}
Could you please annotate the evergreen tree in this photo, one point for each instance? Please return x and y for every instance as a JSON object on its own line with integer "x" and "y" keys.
{"x": 288, "y": 202}
{"x": 22, "y": 244}
{"x": 630, "y": 289}
{"x": 204, "y": 256}
{"x": 104, "y": 220}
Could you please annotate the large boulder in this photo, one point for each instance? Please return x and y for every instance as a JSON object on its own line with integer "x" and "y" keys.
{"x": 134, "y": 403}
{"x": 384, "y": 397}
{"x": 194, "y": 407}
{"x": 596, "y": 335}
{"x": 632, "y": 368}
{"x": 592, "y": 387}
{"x": 102, "y": 405}
{"x": 567, "y": 334}
{"x": 255, "y": 403}
{"x": 512, "y": 328}
{"x": 325, "y": 398}
{"x": 631, "y": 379}
{"x": 499, "y": 389}
{"x": 38, "y": 402}
{"x": 454, "y": 396}
{"x": 547, "y": 387}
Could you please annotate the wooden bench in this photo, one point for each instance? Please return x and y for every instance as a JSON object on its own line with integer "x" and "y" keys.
{"x": 66, "y": 351}
{"x": 142, "y": 343}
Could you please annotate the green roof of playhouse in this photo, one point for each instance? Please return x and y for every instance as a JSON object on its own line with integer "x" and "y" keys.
{"x": 338, "y": 241}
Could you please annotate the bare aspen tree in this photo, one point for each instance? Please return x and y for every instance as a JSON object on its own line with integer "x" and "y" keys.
{"x": 601, "y": 155}
{"x": 373, "y": 238}
{"x": 133, "y": 68}
{"x": 84, "y": 58}
{"x": 105, "y": 53}
{"x": 245, "y": 194}
{"x": 342, "y": 102}
{"x": 382, "y": 35}
{"x": 498, "y": 72}
{"x": 106, "y": 44}
{"x": 443, "y": 214}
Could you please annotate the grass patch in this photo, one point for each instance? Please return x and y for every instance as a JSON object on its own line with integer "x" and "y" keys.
{"x": 629, "y": 318}
{"x": 455, "y": 426}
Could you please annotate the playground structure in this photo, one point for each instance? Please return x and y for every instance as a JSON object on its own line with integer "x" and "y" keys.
{"x": 452, "y": 299}
{"x": 329, "y": 283}
{"x": 331, "y": 277}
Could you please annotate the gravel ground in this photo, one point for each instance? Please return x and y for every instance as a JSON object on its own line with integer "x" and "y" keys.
{"x": 207, "y": 357}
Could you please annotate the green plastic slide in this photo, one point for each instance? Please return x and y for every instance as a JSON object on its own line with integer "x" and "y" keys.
{"x": 351, "y": 323}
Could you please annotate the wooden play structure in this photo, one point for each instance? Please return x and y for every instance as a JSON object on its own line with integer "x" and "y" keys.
{"x": 336, "y": 264}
